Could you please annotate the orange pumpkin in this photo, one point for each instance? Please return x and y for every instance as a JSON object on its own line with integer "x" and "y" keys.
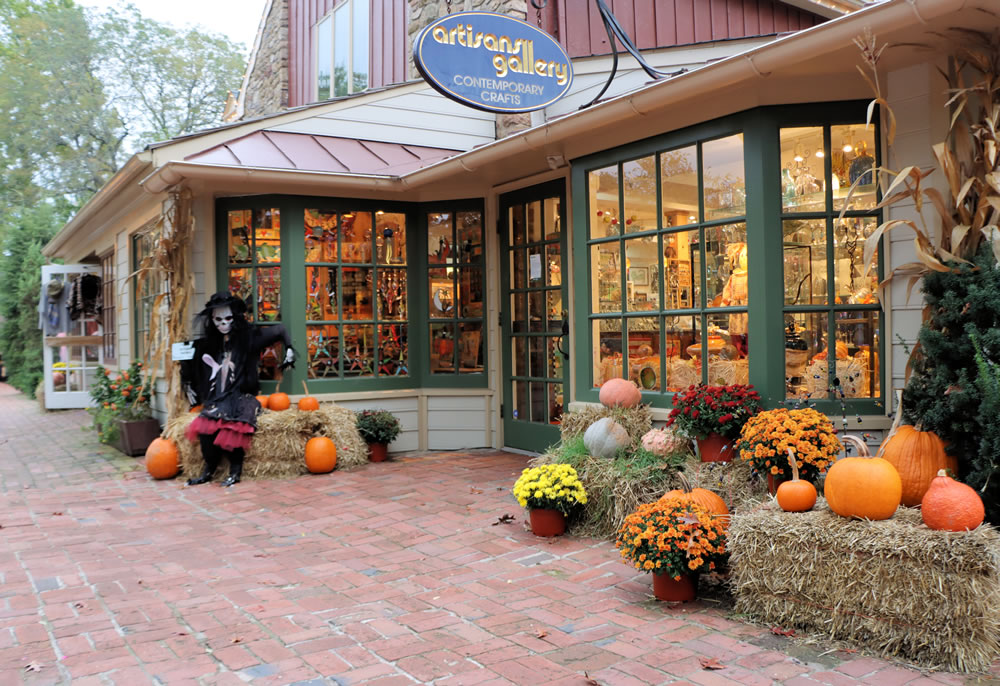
{"x": 917, "y": 456}
{"x": 263, "y": 399}
{"x": 321, "y": 455}
{"x": 308, "y": 404}
{"x": 950, "y": 505}
{"x": 278, "y": 402}
{"x": 620, "y": 393}
{"x": 196, "y": 409}
{"x": 712, "y": 502}
{"x": 161, "y": 459}
{"x": 865, "y": 487}
{"x": 795, "y": 495}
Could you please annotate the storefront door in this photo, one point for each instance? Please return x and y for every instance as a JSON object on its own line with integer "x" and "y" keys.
{"x": 534, "y": 317}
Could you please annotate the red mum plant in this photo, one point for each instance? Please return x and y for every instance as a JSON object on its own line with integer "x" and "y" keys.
{"x": 704, "y": 410}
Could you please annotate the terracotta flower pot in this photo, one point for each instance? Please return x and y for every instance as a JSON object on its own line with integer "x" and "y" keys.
{"x": 377, "y": 452}
{"x": 683, "y": 590}
{"x": 715, "y": 448}
{"x": 547, "y": 522}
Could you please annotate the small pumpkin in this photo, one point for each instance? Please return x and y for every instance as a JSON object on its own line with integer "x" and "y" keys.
{"x": 321, "y": 455}
{"x": 950, "y": 505}
{"x": 620, "y": 393}
{"x": 865, "y": 487}
{"x": 308, "y": 403}
{"x": 917, "y": 456}
{"x": 278, "y": 402}
{"x": 605, "y": 437}
{"x": 795, "y": 495}
{"x": 162, "y": 459}
{"x": 712, "y": 502}
{"x": 263, "y": 399}
{"x": 196, "y": 409}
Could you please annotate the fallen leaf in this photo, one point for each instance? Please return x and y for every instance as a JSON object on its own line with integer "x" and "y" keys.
{"x": 474, "y": 490}
{"x": 79, "y": 605}
{"x": 541, "y": 633}
{"x": 33, "y": 667}
{"x": 181, "y": 633}
{"x": 139, "y": 582}
{"x": 710, "y": 663}
{"x": 504, "y": 519}
{"x": 261, "y": 555}
{"x": 782, "y": 632}
{"x": 57, "y": 514}
{"x": 590, "y": 682}
{"x": 237, "y": 640}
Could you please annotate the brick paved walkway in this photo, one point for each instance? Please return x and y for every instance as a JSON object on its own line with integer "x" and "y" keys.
{"x": 391, "y": 574}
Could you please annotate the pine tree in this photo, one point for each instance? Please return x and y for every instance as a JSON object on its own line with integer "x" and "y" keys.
{"x": 941, "y": 394}
{"x": 984, "y": 468}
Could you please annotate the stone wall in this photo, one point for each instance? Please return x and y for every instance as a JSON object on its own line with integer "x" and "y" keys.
{"x": 267, "y": 88}
{"x": 423, "y": 12}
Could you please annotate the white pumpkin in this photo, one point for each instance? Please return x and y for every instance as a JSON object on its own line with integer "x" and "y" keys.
{"x": 605, "y": 437}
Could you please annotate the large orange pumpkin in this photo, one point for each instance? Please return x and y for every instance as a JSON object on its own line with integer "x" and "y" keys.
{"x": 795, "y": 495}
{"x": 712, "y": 502}
{"x": 620, "y": 393}
{"x": 278, "y": 402}
{"x": 321, "y": 455}
{"x": 865, "y": 487}
{"x": 161, "y": 459}
{"x": 263, "y": 400}
{"x": 917, "y": 456}
{"x": 950, "y": 505}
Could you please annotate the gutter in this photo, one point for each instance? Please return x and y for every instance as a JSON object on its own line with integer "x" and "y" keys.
{"x": 123, "y": 179}
{"x": 756, "y": 63}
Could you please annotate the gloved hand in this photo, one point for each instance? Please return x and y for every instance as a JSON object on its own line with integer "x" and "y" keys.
{"x": 192, "y": 397}
{"x": 289, "y": 358}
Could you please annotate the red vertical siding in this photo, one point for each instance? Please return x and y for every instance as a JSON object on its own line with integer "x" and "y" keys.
{"x": 387, "y": 42}
{"x": 665, "y": 23}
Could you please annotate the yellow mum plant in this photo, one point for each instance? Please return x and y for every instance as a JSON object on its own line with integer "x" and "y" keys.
{"x": 766, "y": 438}
{"x": 551, "y": 487}
{"x": 673, "y": 536}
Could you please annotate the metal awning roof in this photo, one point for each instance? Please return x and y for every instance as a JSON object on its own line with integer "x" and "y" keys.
{"x": 311, "y": 152}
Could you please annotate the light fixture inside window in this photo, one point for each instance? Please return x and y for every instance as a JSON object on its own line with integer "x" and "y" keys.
{"x": 848, "y": 147}
{"x": 820, "y": 153}
{"x": 798, "y": 153}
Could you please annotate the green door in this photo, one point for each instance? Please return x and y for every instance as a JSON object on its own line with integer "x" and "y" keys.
{"x": 534, "y": 304}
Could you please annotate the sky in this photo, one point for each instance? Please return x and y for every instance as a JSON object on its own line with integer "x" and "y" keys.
{"x": 236, "y": 19}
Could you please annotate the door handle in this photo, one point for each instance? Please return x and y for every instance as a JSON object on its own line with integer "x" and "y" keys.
{"x": 565, "y": 332}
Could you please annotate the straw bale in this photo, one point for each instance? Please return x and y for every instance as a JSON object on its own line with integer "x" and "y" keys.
{"x": 635, "y": 420}
{"x": 278, "y": 447}
{"x": 893, "y": 587}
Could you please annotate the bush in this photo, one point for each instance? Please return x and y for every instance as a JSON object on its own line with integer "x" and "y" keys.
{"x": 121, "y": 398}
{"x": 377, "y": 426}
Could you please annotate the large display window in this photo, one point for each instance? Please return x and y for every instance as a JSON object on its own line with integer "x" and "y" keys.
{"x": 668, "y": 259}
{"x": 695, "y": 242}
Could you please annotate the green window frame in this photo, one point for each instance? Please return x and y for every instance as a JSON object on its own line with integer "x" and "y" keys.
{"x": 764, "y": 214}
{"x": 143, "y": 296}
{"x": 294, "y": 302}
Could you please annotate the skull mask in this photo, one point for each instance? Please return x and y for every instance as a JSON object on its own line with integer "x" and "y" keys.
{"x": 222, "y": 317}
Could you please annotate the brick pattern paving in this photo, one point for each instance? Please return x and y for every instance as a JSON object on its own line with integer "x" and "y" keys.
{"x": 391, "y": 574}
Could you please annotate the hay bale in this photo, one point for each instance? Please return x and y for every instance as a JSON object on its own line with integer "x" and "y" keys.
{"x": 635, "y": 420}
{"x": 894, "y": 587}
{"x": 278, "y": 447}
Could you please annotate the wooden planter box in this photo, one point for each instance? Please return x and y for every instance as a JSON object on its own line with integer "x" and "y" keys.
{"x": 135, "y": 436}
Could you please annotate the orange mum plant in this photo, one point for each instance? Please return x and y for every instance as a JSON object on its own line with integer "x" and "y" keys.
{"x": 673, "y": 536}
{"x": 766, "y": 438}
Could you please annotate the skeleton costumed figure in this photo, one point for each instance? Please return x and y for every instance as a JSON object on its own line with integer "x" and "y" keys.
{"x": 222, "y": 376}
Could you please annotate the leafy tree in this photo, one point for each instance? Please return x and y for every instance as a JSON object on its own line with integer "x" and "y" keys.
{"x": 20, "y": 272}
{"x": 984, "y": 467}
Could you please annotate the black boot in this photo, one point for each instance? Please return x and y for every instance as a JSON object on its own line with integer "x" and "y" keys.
{"x": 211, "y": 454}
{"x": 235, "y": 467}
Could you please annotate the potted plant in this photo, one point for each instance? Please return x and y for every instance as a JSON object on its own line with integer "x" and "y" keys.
{"x": 767, "y": 436}
{"x": 122, "y": 413}
{"x": 676, "y": 539}
{"x": 378, "y": 428}
{"x": 551, "y": 492}
{"x": 713, "y": 416}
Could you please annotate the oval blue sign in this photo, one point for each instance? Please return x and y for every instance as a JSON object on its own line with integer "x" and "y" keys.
{"x": 492, "y": 62}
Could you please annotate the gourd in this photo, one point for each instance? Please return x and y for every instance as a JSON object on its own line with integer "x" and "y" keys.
{"x": 620, "y": 393}
{"x": 321, "y": 455}
{"x": 263, "y": 400}
{"x": 795, "y": 495}
{"x": 308, "y": 403}
{"x": 865, "y": 487}
{"x": 605, "y": 437}
{"x": 950, "y": 505}
{"x": 712, "y": 502}
{"x": 278, "y": 402}
{"x": 161, "y": 459}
